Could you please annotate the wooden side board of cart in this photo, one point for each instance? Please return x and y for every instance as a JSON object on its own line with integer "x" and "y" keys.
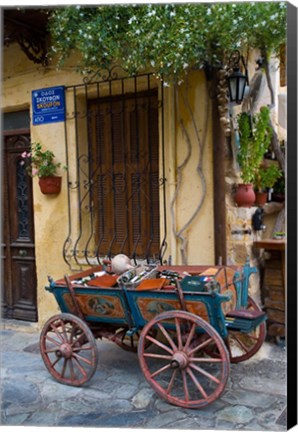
{"x": 186, "y": 333}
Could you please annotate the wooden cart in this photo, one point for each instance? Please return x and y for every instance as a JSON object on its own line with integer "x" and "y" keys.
{"x": 186, "y": 324}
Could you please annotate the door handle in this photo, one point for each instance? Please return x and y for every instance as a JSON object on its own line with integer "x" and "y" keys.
{"x": 22, "y": 252}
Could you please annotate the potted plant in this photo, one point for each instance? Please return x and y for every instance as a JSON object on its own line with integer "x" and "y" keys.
{"x": 265, "y": 178}
{"x": 41, "y": 163}
{"x": 255, "y": 136}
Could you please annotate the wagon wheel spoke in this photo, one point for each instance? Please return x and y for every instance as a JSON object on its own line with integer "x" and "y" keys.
{"x": 64, "y": 367}
{"x": 72, "y": 372}
{"x": 190, "y": 337}
{"x": 158, "y": 356}
{"x": 196, "y": 382}
{"x": 206, "y": 360}
{"x": 171, "y": 382}
{"x": 159, "y": 344}
{"x": 185, "y": 387}
{"x": 64, "y": 330}
{"x": 54, "y": 341}
{"x": 201, "y": 346}
{"x": 159, "y": 371}
{"x": 82, "y": 348}
{"x": 240, "y": 343}
{"x": 178, "y": 330}
{"x": 205, "y": 373}
{"x": 79, "y": 340}
{"x": 83, "y": 359}
{"x": 167, "y": 336}
{"x": 79, "y": 366}
{"x": 57, "y": 333}
{"x": 55, "y": 362}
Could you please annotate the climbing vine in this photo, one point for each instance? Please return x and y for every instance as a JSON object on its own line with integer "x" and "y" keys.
{"x": 171, "y": 39}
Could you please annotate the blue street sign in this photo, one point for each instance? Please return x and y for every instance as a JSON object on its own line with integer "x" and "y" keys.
{"x": 48, "y": 105}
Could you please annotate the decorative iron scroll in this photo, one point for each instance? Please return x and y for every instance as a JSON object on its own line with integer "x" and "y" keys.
{"x": 114, "y": 135}
{"x": 22, "y": 201}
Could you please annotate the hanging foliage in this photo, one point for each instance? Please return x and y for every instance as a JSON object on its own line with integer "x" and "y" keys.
{"x": 169, "y": 38}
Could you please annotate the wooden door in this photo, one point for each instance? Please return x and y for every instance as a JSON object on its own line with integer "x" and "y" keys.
{"x": 19, "y": 299}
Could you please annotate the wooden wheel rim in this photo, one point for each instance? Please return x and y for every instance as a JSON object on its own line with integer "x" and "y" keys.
{"x": 68, "y": 349}
{"x": 255, "y": 338}
{"x": 183, "y": 361}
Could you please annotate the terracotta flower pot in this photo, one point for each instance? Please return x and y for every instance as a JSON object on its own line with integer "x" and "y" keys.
{"x": 50, "y": 185}
{"x": 261, "y": 198}
{"x": 245, "y": 195}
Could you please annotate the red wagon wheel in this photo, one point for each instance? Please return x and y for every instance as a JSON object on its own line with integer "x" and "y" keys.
{"x": 244, "y": 345}
{"x": 176, "y": 365}
{"x": 68, "y": 349}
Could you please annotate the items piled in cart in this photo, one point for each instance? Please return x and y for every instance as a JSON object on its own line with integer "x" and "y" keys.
{"x": 120, "y": 272}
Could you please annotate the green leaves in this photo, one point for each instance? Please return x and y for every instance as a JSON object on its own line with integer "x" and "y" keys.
{"x": 255, "y": 137}
{"x": 170, "y": 38}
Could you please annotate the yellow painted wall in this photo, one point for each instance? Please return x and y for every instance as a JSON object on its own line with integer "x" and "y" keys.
{"x": 21, "y": 76}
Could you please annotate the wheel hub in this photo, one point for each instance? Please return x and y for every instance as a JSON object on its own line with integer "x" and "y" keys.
{"x": 65, "y": 351}
{"x": 179, "y": 360}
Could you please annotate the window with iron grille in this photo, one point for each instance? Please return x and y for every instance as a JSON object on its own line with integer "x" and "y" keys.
{"x": 120, "y": 179}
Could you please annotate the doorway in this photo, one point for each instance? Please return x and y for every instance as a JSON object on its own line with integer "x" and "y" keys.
{"x": 19, "y": 293}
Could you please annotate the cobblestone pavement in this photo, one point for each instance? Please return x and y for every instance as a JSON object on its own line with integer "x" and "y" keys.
{"x": 118, "y": 395}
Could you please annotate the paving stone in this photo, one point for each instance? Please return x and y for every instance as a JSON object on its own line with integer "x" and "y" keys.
{"x": 267, "y": 385}
{"x": 90, "y": 419}
{"x": 224, "y": 425}
{"x": 236, "y": 414}
{"x": 42, "y": 417}
{"x": 143, "y": 398}
{"x": 162, "y": 406}
{"x": 15, "y": 420}
{"x": 165, "y": 420}
{"x": 19, "y": 397}
{"x": 248, "y": 398}
{"x": 128, "y": 420}
{"x": 106, "y": 405}
{"x": 52, "y": 390}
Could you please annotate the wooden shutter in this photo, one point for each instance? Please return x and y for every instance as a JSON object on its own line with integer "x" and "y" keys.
{"x": 124, "y": 133}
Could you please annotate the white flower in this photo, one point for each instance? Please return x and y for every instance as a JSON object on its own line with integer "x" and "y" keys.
{"x": 172, "y": 13}
{"x": 133, "y": 18}
{"x": 138, "y": 31}
{"x": 185, "y": 65}
{"x": 208, "y": 11}
{"x": 152, "y": 63}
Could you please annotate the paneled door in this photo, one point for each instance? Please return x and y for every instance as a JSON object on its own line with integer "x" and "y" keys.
{"x": 19, "y": 290}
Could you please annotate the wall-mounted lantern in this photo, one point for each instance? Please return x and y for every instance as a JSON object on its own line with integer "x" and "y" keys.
{"x": 237, "y": 80}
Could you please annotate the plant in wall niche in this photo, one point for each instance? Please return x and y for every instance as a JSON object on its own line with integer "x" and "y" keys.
{"x": 265, "y": 178}
{"x": 255, "y": 136}
{"x": 41, "y": 163}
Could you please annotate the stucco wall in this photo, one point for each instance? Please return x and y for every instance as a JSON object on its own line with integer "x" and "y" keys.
{"x": 21, "y": 76}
